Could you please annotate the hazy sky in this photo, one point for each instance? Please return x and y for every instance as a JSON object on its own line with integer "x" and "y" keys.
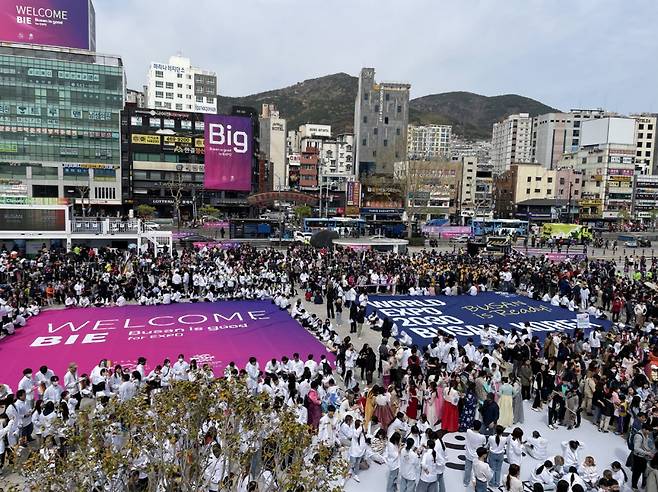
{"x": 565, "y": 53}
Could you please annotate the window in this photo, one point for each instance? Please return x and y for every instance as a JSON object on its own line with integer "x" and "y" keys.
{"x": 365, "y": 96}
{"x": 387, "y": 97}
{"x": 638, "y": 153}
{"x": 154, "y": 122}
{"x": 577, "y": 180}
{"x": 170, "y": 85}
{"x": 529, "y": 179}
{"x": 550, "y": 180}
{"x": 385, "y": 143}
{"x": 159, "y": 84}
{"x": 211, "y": 100}
{"x": 375, "y": 131}
{"x": 397, "y": 131}
{"x": 386, "y": 120}
{"x": 649, "y": 127}
{"x": 640, "y": 126}
{"x": 648, "y": 145}
{"x": 376, "y": 108}
{"x": 188, "y": 96}
{"x": 179, "y": 75}
{"x": 189, "y": 87}
{"x": 167, "y": 105}
{"x": 649, "y": 136}
{"x": 179, "y": 107}
{"x": 599, "y": 158}
{"x": 198, "y": 125}
{"x": 168, "y": 123}
{"x": 639, "y": 144}
{"x": 186, "y": 124}
{"x": 364, "y": 142}
{"x": 537, "y": 178}
{"x": 527, "y": 191}
{"x": 647, "y": 153}
{"x": 189, "y": 77}
{"x": 158, "y": 104}
{"x": 374, "y": 153}
{"x": 170, "y": 95}
{"x": 199, "y": 99}
{"x": 159, "y": 74}
{"x": 179, "y": 96}
{"x": 180, "y": 86}
{"x": 159, "y": 94}
{"x": 399, "y": 109}
{"x": 135, "y": 121}
{"x": 549, "y": 192}
{"x": 365, "y": 119}
{"x": 640, "y": 135}
{"x": 537, "y": 190}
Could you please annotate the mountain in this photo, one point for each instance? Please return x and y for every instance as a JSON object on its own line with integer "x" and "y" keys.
{"x": 471, "y": 115}
{"x": 330, "y": 100}
{"x": 327, "y": 100}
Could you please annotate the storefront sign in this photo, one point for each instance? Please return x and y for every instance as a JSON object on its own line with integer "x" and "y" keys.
{"x": 138, "y": 138}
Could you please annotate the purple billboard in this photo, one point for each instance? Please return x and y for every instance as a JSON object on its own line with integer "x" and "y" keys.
{"x": 52, "y": 22}
{"x": 228, "y": 152}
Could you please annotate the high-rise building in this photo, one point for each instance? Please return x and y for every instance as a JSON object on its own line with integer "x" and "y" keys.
{"x": 273, "y": 144}
{"x": 381, "y": 116}
{"x": 606, "y": 158}
{"x": 179, "y": 86}
{"x": 60, "y": 125}
{"x": 428, "y": 141}
{"x": 646, "y": 139}
{"x": 553, "y": 134}
{"x": 511, "y": 142}
{"x": 523, "y": 182}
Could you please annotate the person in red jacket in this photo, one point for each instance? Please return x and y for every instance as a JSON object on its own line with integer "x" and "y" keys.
{"x": 617, "y": 304}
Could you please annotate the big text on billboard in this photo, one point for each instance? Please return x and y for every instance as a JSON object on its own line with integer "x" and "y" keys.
{"x": 228, "y": 152}
{"x": 51, "y": 22}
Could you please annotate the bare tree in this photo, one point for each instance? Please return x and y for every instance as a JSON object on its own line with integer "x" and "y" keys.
{"x": 85, "y": 192}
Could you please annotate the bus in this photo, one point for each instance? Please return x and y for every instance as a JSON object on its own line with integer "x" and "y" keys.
{"x": 344, "y": 226}
{"x": 499, "y": 227}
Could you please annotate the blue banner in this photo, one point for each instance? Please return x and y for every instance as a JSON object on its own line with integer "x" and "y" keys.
{"x": 423, "y": 317}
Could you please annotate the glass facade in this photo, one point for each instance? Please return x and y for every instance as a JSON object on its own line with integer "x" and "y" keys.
{"x": 57, "y": 108}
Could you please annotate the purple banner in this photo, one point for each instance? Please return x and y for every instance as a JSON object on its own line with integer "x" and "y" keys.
{"x": 213, "y": 333}
{"x": 51, "y": 22}
{"x": 228, "y": 152}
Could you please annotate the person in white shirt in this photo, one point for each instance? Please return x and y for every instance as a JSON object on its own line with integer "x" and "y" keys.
{"x": 392, "y": 460}
{"x": 127, "y": 389}
{"x": 357, "y": 450}
{"x": 482, "y": 473}
{"x": 54, "y": 391}
{"x": 432, "y": 466}
{"x": 473, "y": 291}
{"x": 542, "y": 474}
{"x": 253, "y": 373}
{"x": 496, "y": 445}
{"x": 571, "y": 454}
{"x": 180, "y": 369}
{"x": 312, "y": 365}
{"x": 328, "y": 428}
{"x": 409, "y": 467}
{"x": 537, "y": 446}
{"x": 474, "y": 440}
{"x": 515, "y": 447}
{"x": 27, "y": 384}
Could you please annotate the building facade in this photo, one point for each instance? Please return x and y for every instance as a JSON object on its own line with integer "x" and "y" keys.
{"x": 645, "y": 198}
{"x": 60, "y": 125}
{"x": 520, "y": 183}
{"x": 429, "y": 141}
{"x": 381, "y": 118}
{"x": 273, "y": 144}
{"x": 511, "y": 142}
{"x": 645, "y": 144}
{"x": 553, "y": 134}
{"x": 606, "y": 160}
{"x": 179, "y": 86}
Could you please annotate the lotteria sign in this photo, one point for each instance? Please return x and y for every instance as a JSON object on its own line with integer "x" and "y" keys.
{"x": 228, "y": 152}
{"x": 214, "y": 333}
{"x": 51, "y": 22}
{"x": 424, "y": 317}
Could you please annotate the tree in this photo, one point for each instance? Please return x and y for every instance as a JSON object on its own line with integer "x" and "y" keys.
{"x": 145, "y": 211}
{"x": 302, "y": 212}
{"x": 175, "y": 187}
{"x": 210, "y": 211}
{"x": 653, "y": 215}
{"x": 417, "y": 179}
{"x": 185, "y": 437}
{"x": 84, "y": 193}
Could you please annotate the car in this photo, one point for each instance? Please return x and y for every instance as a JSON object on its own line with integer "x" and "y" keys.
{"x": 630, "y": 244}
{"x": 302, "y": 237}
{"x": 464, "y": 238}
{"x": 644, "y": 243}
{"x": 151, "y": 226}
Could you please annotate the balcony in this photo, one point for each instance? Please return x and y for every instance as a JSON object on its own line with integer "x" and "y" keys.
{"x": 104, "y": 226}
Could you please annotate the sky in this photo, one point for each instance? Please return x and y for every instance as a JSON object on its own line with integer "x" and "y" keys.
{"x": 564, "y": 53}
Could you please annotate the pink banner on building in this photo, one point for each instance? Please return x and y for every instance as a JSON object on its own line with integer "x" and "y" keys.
{"x": 228, "y": 152}
{"x": 214, "y": 333}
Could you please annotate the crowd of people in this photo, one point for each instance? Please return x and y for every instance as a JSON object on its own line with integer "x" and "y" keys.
{"x": 392, "y": 404}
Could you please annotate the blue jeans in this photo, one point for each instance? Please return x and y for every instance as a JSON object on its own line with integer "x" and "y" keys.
{"x": 407, "y": 485}
{"x": 392, "y": 481}
{"x": 468, "y": 468}
{"x": 355, "y": 463}
{"x": 496, "y": 464}
{"x": 426, "y": 486}
{"x": 481, "y": 486}
{"x": 442, "y": 484}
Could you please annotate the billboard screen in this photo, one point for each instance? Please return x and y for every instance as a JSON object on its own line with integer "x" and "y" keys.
{"x": 52, "y": 22}
{"x": 20, "y": 219}
{"x": 228, "y": 153}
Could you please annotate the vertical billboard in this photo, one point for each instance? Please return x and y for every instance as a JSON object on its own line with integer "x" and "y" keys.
{"x": 228, "y": 152}
{"x": 51, "y": 22}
